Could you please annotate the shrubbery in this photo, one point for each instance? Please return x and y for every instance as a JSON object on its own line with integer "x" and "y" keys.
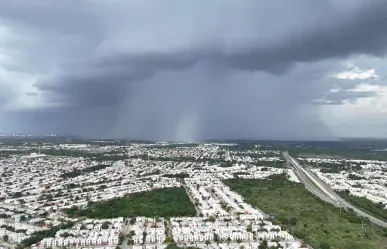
{"x": 165, "y": 202}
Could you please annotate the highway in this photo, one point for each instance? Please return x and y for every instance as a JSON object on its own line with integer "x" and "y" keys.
{"x": 323, "y": 191}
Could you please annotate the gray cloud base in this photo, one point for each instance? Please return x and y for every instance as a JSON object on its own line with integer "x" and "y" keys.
{"x": 206, "y": 70}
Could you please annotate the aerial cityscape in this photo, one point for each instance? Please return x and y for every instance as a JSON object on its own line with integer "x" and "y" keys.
{"x": 58, "y": 192}
{"x": 193, "y": 124}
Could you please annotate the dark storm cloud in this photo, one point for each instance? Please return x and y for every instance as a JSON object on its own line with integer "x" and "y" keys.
{"x": 189, "y": 62}
{"x": 103, "y": 81}
{"x": 69, "y": 17}
{"x": 360, "y": 32}
{"x": 197, "y": 104}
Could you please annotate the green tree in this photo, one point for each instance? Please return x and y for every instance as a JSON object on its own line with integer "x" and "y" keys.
{"x": 144, "y": 236}
{"x": 168, "y": 239}
{"x": 216, "y": 238}
{"x": 293, "y": 220}
{"x": 300, "y": 234}
{"x": 105, "y": 225}
{"x": 263, "y": 245}
{"x": 325, "y": 245}
{"x": 23, "y": 218}
{"x": 211, "y": 219}
{"x": 17, "y": 195}
{"x": 49, "y": 197}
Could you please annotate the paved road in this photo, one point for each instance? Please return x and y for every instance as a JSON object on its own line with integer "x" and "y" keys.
{"x": 323, "y": 191}
{"x": 192, "y": 200}
{"x": 309, "y": 182}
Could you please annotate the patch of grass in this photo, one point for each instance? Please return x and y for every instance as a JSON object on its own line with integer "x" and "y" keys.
{"x": 304, "y": 215}
{"x": 165, "y": 202}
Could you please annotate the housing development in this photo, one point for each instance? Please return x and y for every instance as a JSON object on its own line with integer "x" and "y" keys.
{"x": 110, "y": 194}
{"x": 369, "y": 181}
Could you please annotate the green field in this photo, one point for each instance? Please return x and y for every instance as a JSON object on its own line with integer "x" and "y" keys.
{"x": 165, "y": 202}
{"x": 319, "y": 224}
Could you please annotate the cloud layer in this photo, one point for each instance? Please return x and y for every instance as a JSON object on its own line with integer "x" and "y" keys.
{"x": 189, "y": 70}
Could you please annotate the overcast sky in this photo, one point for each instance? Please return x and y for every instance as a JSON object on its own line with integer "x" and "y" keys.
{"x": 194, "y": 69}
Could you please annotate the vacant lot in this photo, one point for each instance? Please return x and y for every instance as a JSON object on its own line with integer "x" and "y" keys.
{"x": 319, "y": 224}
{"x": 165, "y": 202}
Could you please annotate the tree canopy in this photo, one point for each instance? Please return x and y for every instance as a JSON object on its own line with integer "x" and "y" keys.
{"x": 165, "y": 202}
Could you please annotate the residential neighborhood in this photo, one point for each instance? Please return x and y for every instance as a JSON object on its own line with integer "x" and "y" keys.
{"x": 361, "y": 178}
{"x": 37, "y": 187}
{"x": 42, "y": 182}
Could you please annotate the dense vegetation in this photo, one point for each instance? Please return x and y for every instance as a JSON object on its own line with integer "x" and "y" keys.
{"x": 7, "y": 153}
{"x": 318, "y": 223}
{"x": 274, "y": 164}
{"x": 78, "y": 172}
{"x": 165, "y": 202}
{"x": 355, "y": 177}
{"x": 376, "y": 209}
{"x": 180, "y": 175}
{"x": 99, "y": 156}
{"x": 330, "y": 167}
{"x": 9, "y": 228}
{"x": 179, "y": 159}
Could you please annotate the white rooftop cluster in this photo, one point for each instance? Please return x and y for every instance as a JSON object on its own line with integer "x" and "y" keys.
{"x": 150, "y": 229}
{"x": 224, "y": 216}
{"x": 87, "y": 233}
{"x": 35, "y": 188}
{"x": 369, "y": 181}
